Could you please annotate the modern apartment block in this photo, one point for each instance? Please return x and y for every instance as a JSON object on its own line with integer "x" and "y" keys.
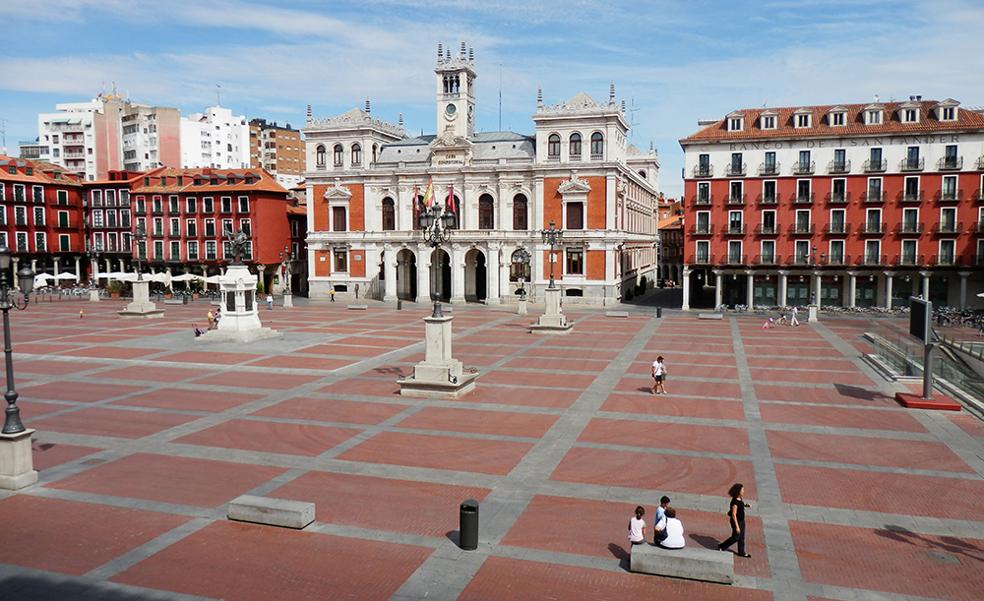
{"x": 215, "y": 138}
{"x": 107, "y": 133}
{"x": 279, "y": 149}
{"x": 853, "y": 205}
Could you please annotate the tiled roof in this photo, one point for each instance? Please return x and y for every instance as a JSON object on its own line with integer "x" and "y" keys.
{"x": 227, "y": 180}
{"x": 42, "y": 172}
{"x": 891, "y": 124}
{"x": 671, "y": 222}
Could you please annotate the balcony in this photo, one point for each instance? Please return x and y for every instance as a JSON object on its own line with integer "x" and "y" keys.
{"x": 950, "y": 164}
{"x": 948, "y": 228}
{"x": 772, "y": 259}
{"x": 767, "y": 230}
{"x": 768, "y": 169}
{"x": 703, "y": 171}
{"x": 873, "y": 197}
{"x": 735, "y": 170}
{"x": 734, "y": 229}
{"x": 158, "y": 212}
{"x": 766, "y": 200}
{"x": 872, "y": 259}
{"x": 701, "y": 230}
{"x": 906, "y": 229}
{"x": 980, "y": 162}
{"x": 839, "y": 167}
{"x": 736, "y": 259}
{"x": 836, "y": 198}
{"x": 802, "y": 197}
{"x": 908, "y": 164}
{"x": 873, "y": 228}
{"x": 701, "y": 259}
{"x": 804, "y": 168}
{"x": 800, "y": 260}
{"x": 736, "y": 199}
{"x": 980, "y": 259}
{"x": 944, "y": 260}
{"x": 910, "y": 259}
{"x": 837, "y": 229}
{"x": 875, "y": 166}
{"x": 801, "y": 229}
{"x": 977, "y": 227}
{"x": 835, "y": 260}
{"x": 911, "y": 196}
{"x": 949, "y": 195}
{"x": 700, "y": 199}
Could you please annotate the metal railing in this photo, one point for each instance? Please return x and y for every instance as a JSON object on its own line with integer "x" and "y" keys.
{"x": 837, "y": 228}
{"x": 801, "y": 228}
{"x": 733, "y": 229}
{"x": 767, "y": 200}
{"x": 949, "y": 195}
{"x": 804, "y": 168}
{"x": 948, "y": 228}
{"x": 873, "y": 228}
{"x": 735, "y": 169}
{"x": 839, "y": 167}
{"x": 910, "y": 196}
{"x": 768, "y": 169}
{"x": 875, "y": 166}
{"x": 908, "y": 164}
{"x": 703, "y": 171}
{"x": 950, "y": 163}
{"x": 736, "y": 199}
{"x": 766, "y": 230}
{"x": 870, "y": 196}
{"x": 767, "y": 259}
{"x": 838, "y": 198}
{"x": 802, "y": 198}
{"x": 909, "y": 228}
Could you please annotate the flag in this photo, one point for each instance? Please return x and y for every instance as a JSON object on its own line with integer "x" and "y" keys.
{"x": 429, "y": 194}
{"x": 449, "y": 201}
{"x": 416, "y": 205}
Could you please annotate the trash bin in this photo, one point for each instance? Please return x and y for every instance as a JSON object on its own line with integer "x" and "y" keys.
{"x": 399, "y": 304}
{"x": 468, "y": 525}
{"x": 659, "y": 311}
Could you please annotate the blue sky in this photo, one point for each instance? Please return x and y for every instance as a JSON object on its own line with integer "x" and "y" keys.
{"x": 675, "y": 62}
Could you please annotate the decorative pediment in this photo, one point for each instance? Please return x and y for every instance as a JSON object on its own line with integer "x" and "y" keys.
{"x": 337, "y": 192}
{"x": 575, "y": 185}
{"x": 449, "y": 141}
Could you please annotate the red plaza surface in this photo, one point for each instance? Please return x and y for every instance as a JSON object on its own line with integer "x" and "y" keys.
{"x": 140, "y": 431}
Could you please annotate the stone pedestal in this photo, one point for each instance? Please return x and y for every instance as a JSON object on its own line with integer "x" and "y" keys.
{"x": 17, "y": 461}
{"x": 288, "y": 301}
{"x": 553, "y": 320}
{"x": 141, "y": 305}
{"x": 812, "y": 314}
{"x": 522, "y": 309}
{"x": 439, "y": 375}
{"x": 240, "y": 320}
{"x": 94, "y": 295}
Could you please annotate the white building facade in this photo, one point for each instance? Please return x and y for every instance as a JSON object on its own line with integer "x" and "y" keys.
{"x": 366, "y": 178}
{"x": 215, "y": 138}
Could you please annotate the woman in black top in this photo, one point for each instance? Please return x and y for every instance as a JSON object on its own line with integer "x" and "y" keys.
{"x": 736, "y": 516}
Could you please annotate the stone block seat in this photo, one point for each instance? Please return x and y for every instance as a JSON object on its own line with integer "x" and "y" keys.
{"x": 692, "y": 563}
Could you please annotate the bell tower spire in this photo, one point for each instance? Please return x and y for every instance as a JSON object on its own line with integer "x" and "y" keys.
{"x": 455, "y": 78}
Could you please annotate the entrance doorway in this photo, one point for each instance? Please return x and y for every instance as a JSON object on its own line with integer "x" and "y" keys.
{"x": 441, "y": 274}
{"x": 406, "y": 275}
{"x": 476, "y": 276}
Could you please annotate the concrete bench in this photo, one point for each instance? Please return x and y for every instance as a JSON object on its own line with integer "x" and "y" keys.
{"x": 710, "y": 316}
{"x": 272, "y": 512}
{"x": 358, "y": 307}
{"x": 616, "y": 313}
{"x": 692, "y": 563}
{"x": 175, "y": 301}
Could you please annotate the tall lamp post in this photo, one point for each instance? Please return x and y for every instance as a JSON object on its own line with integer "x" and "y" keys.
{"x": 140, "y": 237}
{"x": 436, "y": 224}
{"x": 93, "y": 255}
{"x": 9, "y": 299}
{"x": 552, "y": 237}
{"x": 522, "y": 258}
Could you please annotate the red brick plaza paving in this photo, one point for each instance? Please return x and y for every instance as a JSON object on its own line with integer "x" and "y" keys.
{"x": 144, "y": 435}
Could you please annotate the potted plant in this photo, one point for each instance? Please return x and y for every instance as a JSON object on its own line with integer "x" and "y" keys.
{"x": 114, "y": 287}
{"x": 168, "y": 293}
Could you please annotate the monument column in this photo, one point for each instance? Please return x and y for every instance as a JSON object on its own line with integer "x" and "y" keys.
{"x": 782, "y": 288}
{"x": 686, "y": 288}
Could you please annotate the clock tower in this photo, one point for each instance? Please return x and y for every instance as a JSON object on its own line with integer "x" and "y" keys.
{"x": 455, "y": 92}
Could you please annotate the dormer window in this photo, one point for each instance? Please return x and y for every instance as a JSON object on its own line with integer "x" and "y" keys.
{"x": 910, "y": 115}
{"x": 948, "y": 113}
{"x": 736, "y": 124}
{"x": 802, "y": 120}
{"x": 838, "y": 119}
{"x": 768, "y": 121}
{"x": 873, "y": 117}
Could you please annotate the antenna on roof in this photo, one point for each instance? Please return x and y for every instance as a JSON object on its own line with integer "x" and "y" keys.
{"x": 632, "y": 122}
{"x": 218, "y": 94}
{"x": 500, "y": 96}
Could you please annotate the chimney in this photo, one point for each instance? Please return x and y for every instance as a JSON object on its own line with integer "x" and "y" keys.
{"x": 919, "y": 97}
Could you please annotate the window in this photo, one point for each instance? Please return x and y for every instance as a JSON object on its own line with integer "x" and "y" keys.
{"x": 111, "y": 218}
{"x": 38, "y": 216}
{"x": 553, "y": 146}
{"x": 838, "y": 190}
{"x": 574, "y": 262}
{"x": 192, "y": 250}
{"x": 950, "y": 160}
{"x": 874, "y": 189}
{"x": 873, "y": 117}
{"x": 210, "y": 254}
{"x": 735, "y": 225}
{"x": 838, "y": 119}
{"x": 337, "y": 154}
{"x": 338, "y": 220}
{"x": 19, "y": 192}
{"x": 175, "y": 254}
{"x": 768, "y": 251}
{"x": 840, "y": 159}
{"x": 126, "y": 242}
{"x": 910, "y": 116}
{"x": 243, "y": 202}
{"x": 703, "y": 222}
{"x": 175, "y": 227}
{"x": 575, "y": 145}
{"x": 872, "y": 252}
{"x": 597, "y": 145}
{"x": 190, "y": 205}
{"x": 769, "y": 191}
{"x": 486, "y": 212}
{"x": 40, "y": 242}
{"x": 735, "y": 256}
{"x": 804, "y": 190}
{"x": 803, "y": 120}
{"x": 736, "y": 192}
{"x": 517, "y": 268}
{"x": 703, "y": 251}
{"x": 226, "y": 226}
{"x": 172, "y": 205}
{"x": 20, "y": 215}
{"x": 803, "y": 221}
{"x": 949, "y": 113}
{"x": 804, "y": 161}
{"x": 208, "y": 205}
{"x": 838, "y": 223}
{"x": 872, "y": 222}
{"x": 341, "y": 259}
{"x": 125, "y": 218}
{"x": 225, "y": 204}
{"x": 802, "y": 252}
{"x": 768, "y": 222}
{"x": 246, "y": 227}
{"x": 910, "y": 221}
{"x": 158, "y": 206}
{"x": 3, "y": 216}
{"x": 62, "y": 197}
{"x": 319, "y": 155}
{"x": 836, "y": 252}
{"x": 191, "y": 228}
{"x": 21, "y": 238}
{"x": 356, "y": 154}
{"x": 769, "y": 122}
{"x": 909, "y": 250}
{"x": 37, "y": 194}
{"x": 703, "y": 193}
{"x": 158, "y": 226}
{"x": 735, "y": 124}
{"x": 770, "y": 162}
{"x": 737, "y": 167}
{"x": 949, "y": 191}
{"x": 948, "y": 220}
{"x": 911, "y": 188}
{"x": 389, "y": 215}
{"x": 575, "y": 215}
{"x": 209, "y": 228}
{"x": 3, "y": 193}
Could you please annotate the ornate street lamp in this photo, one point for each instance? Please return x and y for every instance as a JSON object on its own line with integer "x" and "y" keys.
{"x": 10, "y": 298}
{"x": 93, "y": 255}
{"x": 522, "y": 258}
{"x": 140, "y": 237}
{"x": 436, "y": 225}
{"x": 286, "y": 257}
{"x": 552, "y": 237}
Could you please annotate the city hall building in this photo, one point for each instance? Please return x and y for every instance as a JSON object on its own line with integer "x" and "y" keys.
{"x": 366, "y": 179}
{"x": 850, "y": 205}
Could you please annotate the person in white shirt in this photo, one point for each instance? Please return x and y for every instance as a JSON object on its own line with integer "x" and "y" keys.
{"x": 659, "y": 374}
{"x": 637, "y": 527}
{"x": 674, "y": 531}
{"x": 792, "y": 320}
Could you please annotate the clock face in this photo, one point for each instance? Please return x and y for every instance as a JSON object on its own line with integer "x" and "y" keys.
{"x": 450, "y": 110}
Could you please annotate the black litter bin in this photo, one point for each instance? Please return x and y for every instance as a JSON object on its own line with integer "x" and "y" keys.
{"x": 399, "y": 304}
{"x": 468, "y": 525}
{"x": 659, "y": 311}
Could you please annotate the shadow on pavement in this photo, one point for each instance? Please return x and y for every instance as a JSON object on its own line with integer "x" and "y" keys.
{"x": 64, "y": 588}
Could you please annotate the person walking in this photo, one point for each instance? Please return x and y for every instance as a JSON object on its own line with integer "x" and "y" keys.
{"x": 211, "y": 320}
{"x": 269, "y": 301}
{"x": 331, "y": 293}
{"x": 792, "y": 317}
{"x": 659, "y": 374}
{"x": 637, "y": 527}
{"x": 736, "y": 517}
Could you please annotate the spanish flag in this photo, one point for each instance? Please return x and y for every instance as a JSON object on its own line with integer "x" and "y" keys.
{"x": 429, "y": 194}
